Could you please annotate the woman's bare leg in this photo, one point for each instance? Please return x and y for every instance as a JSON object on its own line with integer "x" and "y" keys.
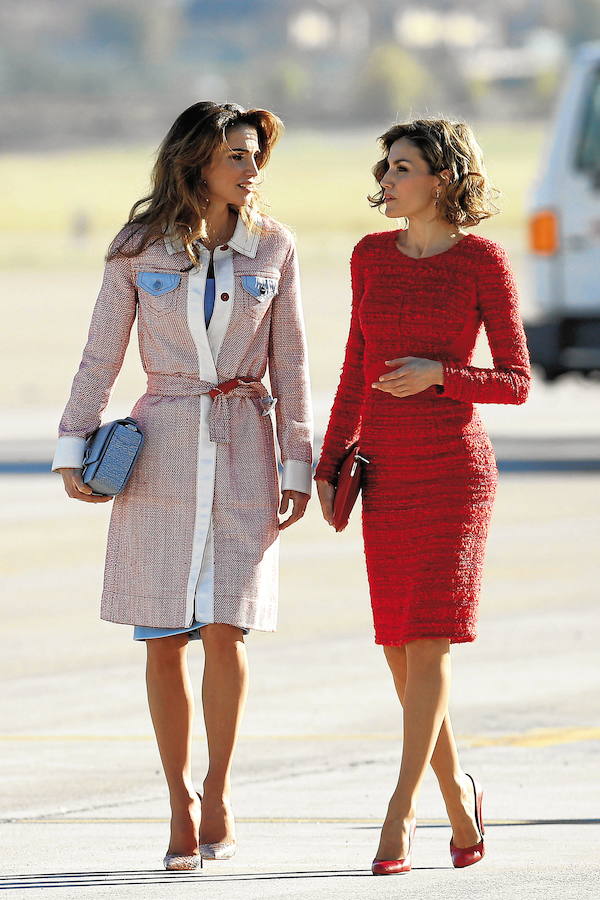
{"x": 425, "y": 705}
{"x": 224, "y": 691}
{"x": 171, "y": 702}
{"x": 456, "y": 788}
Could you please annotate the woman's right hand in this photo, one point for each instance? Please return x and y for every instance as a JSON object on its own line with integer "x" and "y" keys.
{"x": 326, "y": 493}
{"x": 76, "y": 489}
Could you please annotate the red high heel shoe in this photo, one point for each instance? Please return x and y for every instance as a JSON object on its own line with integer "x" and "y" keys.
{"x": 396, "y": 866}
{"x": 468, "y": 856}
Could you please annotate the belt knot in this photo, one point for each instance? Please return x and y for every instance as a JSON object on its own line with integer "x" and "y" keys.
{"x": 219, "y": 425}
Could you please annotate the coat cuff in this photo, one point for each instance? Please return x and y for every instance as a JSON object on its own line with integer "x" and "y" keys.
{"x": 297, "y": 476}
{"x": 69, "y": 453}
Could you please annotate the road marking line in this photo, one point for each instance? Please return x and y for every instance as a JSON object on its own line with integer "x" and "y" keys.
{"x": 541, "y": 737}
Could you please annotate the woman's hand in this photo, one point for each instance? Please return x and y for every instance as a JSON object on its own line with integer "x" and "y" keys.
{"x": 413, "y": 376}
{"x": 326, "y": 493}
{"x": 299, "y": 501}
{"x": 76, "y": 489}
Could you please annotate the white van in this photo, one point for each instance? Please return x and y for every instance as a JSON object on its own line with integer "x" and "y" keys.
{"x": 564, "y": 228}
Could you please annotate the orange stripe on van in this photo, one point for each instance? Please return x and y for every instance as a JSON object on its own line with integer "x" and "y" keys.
{"x": 543, "y": 232}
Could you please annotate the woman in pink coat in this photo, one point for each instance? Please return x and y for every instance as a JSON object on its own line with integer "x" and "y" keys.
{"x": 193, "y": 538}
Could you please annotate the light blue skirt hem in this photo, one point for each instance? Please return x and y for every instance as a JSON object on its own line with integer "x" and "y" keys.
{"x": 146, "y": 633}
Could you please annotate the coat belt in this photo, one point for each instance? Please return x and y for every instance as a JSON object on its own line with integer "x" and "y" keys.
{"x": 218, "y": 421}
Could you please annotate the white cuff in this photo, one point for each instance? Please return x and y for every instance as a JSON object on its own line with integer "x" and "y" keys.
{"x": 297, "y": 476}
{"x": 69, "y": 453}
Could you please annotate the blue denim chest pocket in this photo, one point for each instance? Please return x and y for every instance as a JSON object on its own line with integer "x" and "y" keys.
{"x": 262, "y": 289}
{"x": 157, "y": 283}
{"x": 260, "y": 286}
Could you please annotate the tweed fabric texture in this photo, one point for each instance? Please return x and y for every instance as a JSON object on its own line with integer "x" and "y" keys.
{"x": 185, "y": 484}
{"x": 219, "y": 422}
{"x": 429, "y": 490}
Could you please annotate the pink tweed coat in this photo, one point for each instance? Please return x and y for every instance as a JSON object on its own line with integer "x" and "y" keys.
{"x": 194, "y": 534}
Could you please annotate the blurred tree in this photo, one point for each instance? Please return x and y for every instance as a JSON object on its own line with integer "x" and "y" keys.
{"x": 287, "y": 85}
{"x": 390, "y": 84}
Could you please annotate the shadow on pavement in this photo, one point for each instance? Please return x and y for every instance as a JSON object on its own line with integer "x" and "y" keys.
{"x": 73, "y": 880}
{"x": 149, "y": 877}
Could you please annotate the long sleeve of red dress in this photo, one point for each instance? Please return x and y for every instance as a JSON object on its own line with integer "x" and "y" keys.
{"x": 508, "y": 381}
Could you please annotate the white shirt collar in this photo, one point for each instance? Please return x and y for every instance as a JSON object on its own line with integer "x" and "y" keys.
{"x": 243, "y": 239}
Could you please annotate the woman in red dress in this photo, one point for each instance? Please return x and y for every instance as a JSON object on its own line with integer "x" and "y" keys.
{"x": 407, "y": 389}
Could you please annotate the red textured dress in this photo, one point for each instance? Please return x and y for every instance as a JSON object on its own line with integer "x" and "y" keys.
{"x": 429, "y": 489}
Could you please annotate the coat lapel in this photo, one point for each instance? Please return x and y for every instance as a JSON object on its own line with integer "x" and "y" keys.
{"x": 209, "y": 341}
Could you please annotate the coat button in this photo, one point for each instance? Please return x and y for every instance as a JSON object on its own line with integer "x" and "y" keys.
{"x": 224, "y": 296}
{"x": 225, "y": 247}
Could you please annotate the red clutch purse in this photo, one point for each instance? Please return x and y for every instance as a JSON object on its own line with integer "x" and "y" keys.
{"x": 348, "y": 486}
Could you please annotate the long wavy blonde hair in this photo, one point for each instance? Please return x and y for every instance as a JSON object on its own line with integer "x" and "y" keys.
{"x": 469, "y": 196}
{"x": 178, "y": 199}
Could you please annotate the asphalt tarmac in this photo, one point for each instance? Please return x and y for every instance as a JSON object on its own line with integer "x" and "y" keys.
{"x": 84, "y": 807}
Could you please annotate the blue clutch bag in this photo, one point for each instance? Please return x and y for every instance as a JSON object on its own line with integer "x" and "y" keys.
{"x": 110, "y": 455}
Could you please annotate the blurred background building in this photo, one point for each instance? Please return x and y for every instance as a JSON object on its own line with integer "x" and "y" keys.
{"x": 95, "y": 70}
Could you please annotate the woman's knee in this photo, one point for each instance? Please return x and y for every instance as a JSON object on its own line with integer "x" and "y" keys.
{"x": 221, "y": 638}
{"x": 396, "y": 658}
{"x": 427, "y": 651}
{"x": 166, "y": 650}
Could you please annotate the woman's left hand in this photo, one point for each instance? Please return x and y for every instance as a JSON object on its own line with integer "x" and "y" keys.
{"x": 413, "y": 376}
{"x": 299, "y": 502}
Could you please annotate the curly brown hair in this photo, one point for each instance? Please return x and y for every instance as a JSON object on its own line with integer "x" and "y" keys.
{"x": 178, "y": 198}
{"x": 469, "y": 195}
